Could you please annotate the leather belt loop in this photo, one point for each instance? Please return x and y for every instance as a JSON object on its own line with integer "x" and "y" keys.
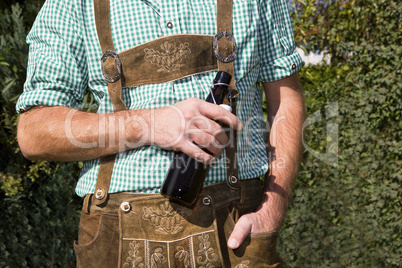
{"x": 87, "y": 203}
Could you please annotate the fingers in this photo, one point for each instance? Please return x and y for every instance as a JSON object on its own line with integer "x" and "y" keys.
{"x": 208, "y": 134}
{"x": 208, "y": 142}
{"x": 240, "y": 232}
{"x": 193, "y": 120}
{"x": 197, "y": 153}
{"x": 218, "y": 113}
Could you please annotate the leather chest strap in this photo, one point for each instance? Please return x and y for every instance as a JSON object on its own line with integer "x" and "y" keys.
{"x": 167, "y": 59}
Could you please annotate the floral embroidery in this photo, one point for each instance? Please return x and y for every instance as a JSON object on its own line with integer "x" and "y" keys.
{"x": 133, "y": 260}
{"x": 157, "y": 257}
{"x": 183, "y": 256}
{"x": 170, "y": 59}
{"x": 243, "y": 264}
{"x": 206, "y": 250}
{"x": 166, "y": 219}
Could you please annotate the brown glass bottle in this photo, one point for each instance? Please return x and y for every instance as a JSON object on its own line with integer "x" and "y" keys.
{"x": 186, "y": 176}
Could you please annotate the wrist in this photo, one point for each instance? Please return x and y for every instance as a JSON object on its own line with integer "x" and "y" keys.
{"x": 131, "y": 129}
{"x": 273, "y": 207}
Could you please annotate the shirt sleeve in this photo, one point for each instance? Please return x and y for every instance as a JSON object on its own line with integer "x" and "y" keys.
{"x": 57, "y": 66}
{"x": 276, "y": 44}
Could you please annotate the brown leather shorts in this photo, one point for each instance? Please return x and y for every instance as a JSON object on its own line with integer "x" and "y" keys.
{"x": 148, "y": 230}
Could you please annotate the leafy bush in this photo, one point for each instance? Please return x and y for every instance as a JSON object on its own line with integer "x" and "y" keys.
{"x": 38, "y": 207}
{"x": 348, "y": 212}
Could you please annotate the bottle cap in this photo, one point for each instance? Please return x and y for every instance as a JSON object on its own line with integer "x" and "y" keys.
{"x": 226, "y": 107}
{"x": 222, "y": 78}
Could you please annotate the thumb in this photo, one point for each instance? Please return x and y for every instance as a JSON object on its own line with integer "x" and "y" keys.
{"x": 239, "y": 233}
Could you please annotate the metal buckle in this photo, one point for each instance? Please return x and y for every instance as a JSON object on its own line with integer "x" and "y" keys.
{"x": 117, "y": 76}
{"x": 231, "y": 38}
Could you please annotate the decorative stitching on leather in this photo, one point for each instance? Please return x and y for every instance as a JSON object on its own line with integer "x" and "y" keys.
{"x": 183, "y": 256}
{"x": 191, "y": 252}
{"x": 170, "y": 59}
{"x": 167, "y": 241}
{"x": 134, "y": 260}
{"x": 166, "y": 219}
{"x": 206, "y": 250}
{"x": 243, "y": 264}
{"x": 157, "y": 257}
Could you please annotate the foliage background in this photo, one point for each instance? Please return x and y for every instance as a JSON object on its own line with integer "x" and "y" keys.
{"x": 346, "y": 205}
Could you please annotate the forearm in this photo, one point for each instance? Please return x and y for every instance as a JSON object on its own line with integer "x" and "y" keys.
{"x": 64, "y": 134}
{"x": 286, "y": 113}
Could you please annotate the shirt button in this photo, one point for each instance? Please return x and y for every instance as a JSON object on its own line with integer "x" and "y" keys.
{"x": 293, "y": 66}
{"x": 169, "y": 25}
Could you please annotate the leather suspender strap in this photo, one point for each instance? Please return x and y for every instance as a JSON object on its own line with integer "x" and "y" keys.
{"x": 110, "y": 58}
{"x": 227, "y": 51}
{"x": 226, "y": 47}
{"x": 103, "y": 28}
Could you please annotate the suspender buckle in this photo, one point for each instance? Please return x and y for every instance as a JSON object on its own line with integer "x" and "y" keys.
{"x": 117, "y": 76}
{"x": 231, "y": 38}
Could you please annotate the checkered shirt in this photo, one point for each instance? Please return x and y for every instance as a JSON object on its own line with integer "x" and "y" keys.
{"x": 64, "y": 61}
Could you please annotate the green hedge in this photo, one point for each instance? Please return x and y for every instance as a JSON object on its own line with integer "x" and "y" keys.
{"x": 346, "y": 207}
{"x": 38, "y": 207}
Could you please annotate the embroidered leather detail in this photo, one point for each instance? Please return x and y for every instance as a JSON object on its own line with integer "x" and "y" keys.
{"x": 206, "y": 251}
{"x": 243, "y": 264}
{"x": 183, "y": 256}
{"x": 166, "y": 219}
{"x": 170, "y": 59}
{"x": 157, "y": 257}
{"x": 134, "y": 260}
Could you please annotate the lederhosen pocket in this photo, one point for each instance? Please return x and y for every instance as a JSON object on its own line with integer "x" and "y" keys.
{"x": 155, "y": 232}
{"x": 97, "y": 244}
{"x": 257, "y": 250}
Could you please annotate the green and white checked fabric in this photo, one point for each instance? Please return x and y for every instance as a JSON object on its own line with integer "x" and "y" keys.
{"x": 64, "y": 60}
